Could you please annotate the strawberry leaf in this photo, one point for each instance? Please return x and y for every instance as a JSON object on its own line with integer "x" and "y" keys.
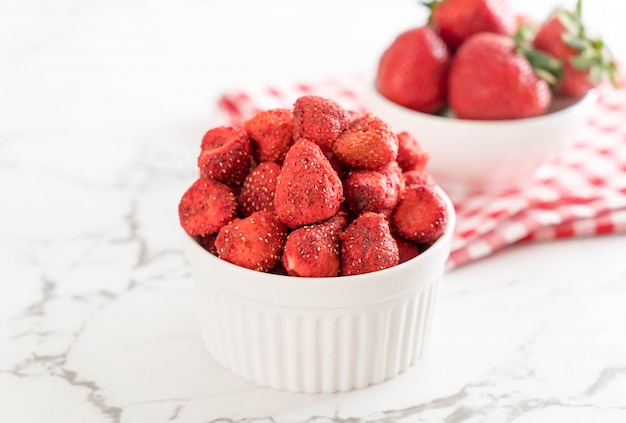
{"x": 574, "y": 41}
{"x": 593, "y": 55}
{"x": 431, "y": 5}
{"x": 546, "y": 66}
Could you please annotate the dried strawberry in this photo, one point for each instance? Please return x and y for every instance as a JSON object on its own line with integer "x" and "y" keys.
{"x": 420, "y": 215}
{"x": 225, "y": 155}
{"x": 367, "y": 143}
{"x": 278, "y": 269}
{"x": 368, "y": 190}
{"x": 257, "y": 191}
{"x": 313, "y": 250}
{"x": 412, "y": 71}
{"x": 308, "y": 188}
{"x": 271, "y": 133}
{"x": 411, "y": 156}
{"x": 367, "y": 245}
{"x": 406, "y": 249}
{"x": 206, "y": 206}
{"x": 457, "y": 20}
{"x": 319, "y": 120}
{"x": 394, "y": 173}
{"x": 208, "y": 243}
{"x": 353, "y": 115}
{"x": 336, "y": 164}
{"x": 418, "y": 177}
{"x": 255, "y": 242}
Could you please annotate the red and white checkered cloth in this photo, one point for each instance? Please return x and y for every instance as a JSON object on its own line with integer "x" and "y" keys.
{"x": 582, "y": 193}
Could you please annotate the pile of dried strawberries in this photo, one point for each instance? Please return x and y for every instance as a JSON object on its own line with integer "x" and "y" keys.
{"x": 313, "y": 191}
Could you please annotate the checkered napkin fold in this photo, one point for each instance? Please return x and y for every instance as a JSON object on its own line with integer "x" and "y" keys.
{"x": 582, "y": 193}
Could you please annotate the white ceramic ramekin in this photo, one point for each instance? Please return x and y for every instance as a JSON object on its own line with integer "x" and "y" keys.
{"x": 468, "y": 156}
{"x": 317, "y": 334}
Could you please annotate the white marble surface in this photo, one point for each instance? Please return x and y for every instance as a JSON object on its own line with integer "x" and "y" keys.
{"x": 102, "y": 105}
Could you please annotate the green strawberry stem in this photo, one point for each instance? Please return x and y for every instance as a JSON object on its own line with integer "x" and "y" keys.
{"x": 545, "y": 66}
{"x": 431, "y": 5}
{"x": 594, "y": 55}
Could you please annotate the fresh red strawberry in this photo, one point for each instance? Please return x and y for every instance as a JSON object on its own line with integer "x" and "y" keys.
{"x": 367, "y": 245}
{"x": 319, "y": 120}
{"x": 206, "y": 206}
{"x": 457, "y": 20}
{"x": 369, "y": 190}
{"x": 271, "y": 133}
{"x": 412, "y": 71}
{"x": 257, "y": 191}
{"x": 411, "y": 156}
{"x": 367, "y": 143}
{"x": 586, "y": 61}
{"x": 313, "y": 250}
{"x": 308, "y": 188}
{"x": 255, "y": 242}
{"x": 418, "y": 177}
{"x": 225, "y": 155}
{"x": 490, "y": 80}
{"x": 420, "y": 215}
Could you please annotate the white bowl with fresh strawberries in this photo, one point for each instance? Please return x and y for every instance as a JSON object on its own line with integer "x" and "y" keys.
{"x": 470, "y": 156}
{"x": 489, "y": 94}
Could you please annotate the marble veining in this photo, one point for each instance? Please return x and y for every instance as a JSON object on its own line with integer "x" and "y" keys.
{"x": 101, "y": 114}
